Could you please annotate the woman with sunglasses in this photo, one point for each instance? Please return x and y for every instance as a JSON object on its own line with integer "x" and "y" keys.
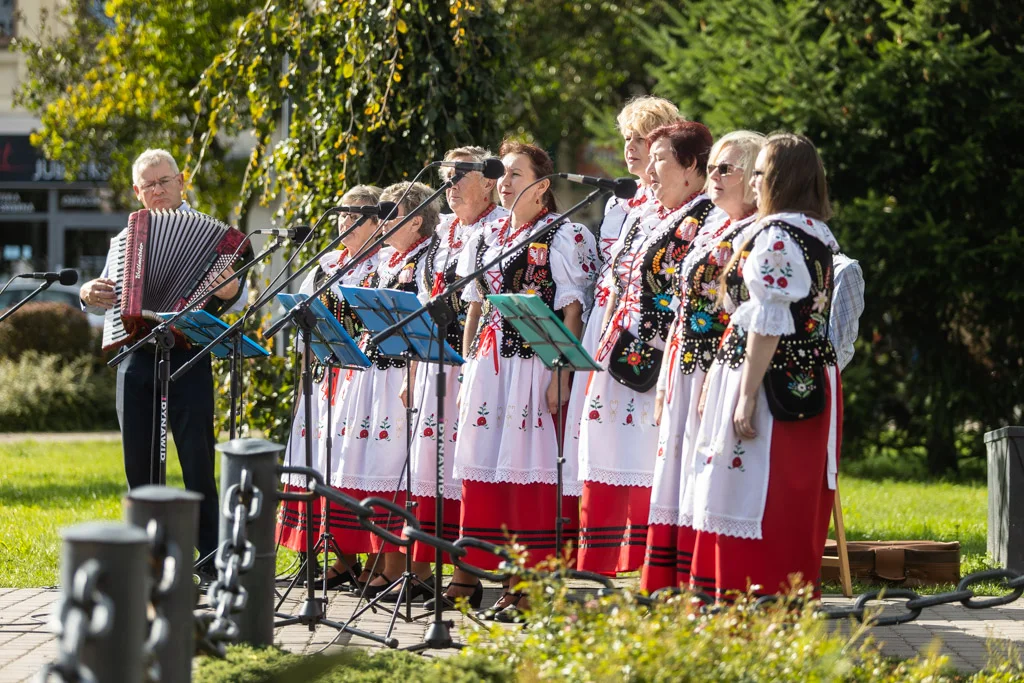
{"x": 507, "y": 448}
{"x": 765, "y": 454}
{"x": 291, "y": 522}
{"x": 618, "y": 434}
{"x": 693, "y": 341}
{"x": 636, "y": 121}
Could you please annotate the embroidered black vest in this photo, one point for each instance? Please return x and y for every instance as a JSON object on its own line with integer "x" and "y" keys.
{"x": 702, "y": 320}
{"x": 372, "y": 351}
{"x": 521, "y": 274}
{"x": 809, "y": 346}
{"x": 340, "y": 309}
{"x": 453, "y": 335}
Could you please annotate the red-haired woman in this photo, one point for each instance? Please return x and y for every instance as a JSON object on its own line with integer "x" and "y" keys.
{"x": 507, "y": 447}
{"x": 618, "y": 434}
{"x": 765, "y": 471}
{"x": 693, "y": 341}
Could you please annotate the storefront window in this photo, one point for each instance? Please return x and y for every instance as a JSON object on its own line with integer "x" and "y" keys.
{"x": 22, "y": 247}
{"x": 86, "y": 250}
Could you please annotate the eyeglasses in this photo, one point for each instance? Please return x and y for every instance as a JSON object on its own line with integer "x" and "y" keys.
{"x": 723, "y": 168}
{"x": 162, "y": 182}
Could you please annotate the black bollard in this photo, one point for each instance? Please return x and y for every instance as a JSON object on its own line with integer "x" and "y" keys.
{"x": 171, "y": 518}
{"x": 104, "y": 582}
{"x": 248, "y": 485}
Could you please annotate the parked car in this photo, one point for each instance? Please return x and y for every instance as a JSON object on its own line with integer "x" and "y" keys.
{"x": 64, "y": 294}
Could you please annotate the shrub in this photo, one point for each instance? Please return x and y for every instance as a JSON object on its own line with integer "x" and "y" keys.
{"x": 40, "y": 392}
{"x": 49, "y": 328}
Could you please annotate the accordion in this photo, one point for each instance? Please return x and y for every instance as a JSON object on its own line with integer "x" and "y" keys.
{"x": 162, "y": 262}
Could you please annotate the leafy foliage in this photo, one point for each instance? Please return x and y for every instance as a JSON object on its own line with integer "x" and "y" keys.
{"x": 42, "y": 393}
{"x": 50, "y": 328}
{"x": 912, "y": 107}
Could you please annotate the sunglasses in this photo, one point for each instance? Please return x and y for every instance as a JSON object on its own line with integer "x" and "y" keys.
{"x": 723, "y": 168}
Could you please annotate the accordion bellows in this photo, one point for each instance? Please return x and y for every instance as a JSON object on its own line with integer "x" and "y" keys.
{"x": 162, "y": 262}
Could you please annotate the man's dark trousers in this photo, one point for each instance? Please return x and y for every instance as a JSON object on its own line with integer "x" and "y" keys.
{"x": 190, "y": 418}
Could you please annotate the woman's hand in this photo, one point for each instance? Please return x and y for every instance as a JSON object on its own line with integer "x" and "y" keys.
{"x": 743, "y": 417}
{"x": 552, "y": 393}
{"x": 659, "y": 404}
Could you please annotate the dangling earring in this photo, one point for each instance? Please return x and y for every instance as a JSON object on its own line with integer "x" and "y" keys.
{"x": 686, "y": 183}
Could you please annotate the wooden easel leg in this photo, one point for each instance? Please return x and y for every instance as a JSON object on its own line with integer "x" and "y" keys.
{"x": 844, "y": 559}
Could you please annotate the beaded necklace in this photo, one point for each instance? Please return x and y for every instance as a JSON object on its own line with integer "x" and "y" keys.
{"x": 520, "y": 230}
{"x": 399, "y": 256}
{"x": 664, "y": 211}
{"x": 454, "y": 244}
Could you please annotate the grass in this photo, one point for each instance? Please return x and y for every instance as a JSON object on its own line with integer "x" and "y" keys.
{"x": 46, "y": 486}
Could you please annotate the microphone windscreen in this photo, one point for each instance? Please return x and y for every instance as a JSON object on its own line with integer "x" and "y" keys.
{"x": 386, "y": 210}
{"x": 302, "y": 232}
{"x": 68, "y": 276}
{"x": 625, "y": 188}
{"x": 493, "y": 168}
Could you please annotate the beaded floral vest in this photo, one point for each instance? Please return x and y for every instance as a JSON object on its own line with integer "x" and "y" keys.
{"x": 702, "y": 320}
{"x": 662, "y": 259}
{"x": 809, "y": 346}
{"x": 528, "y": 271}
{"x": 453, "y": 335}
{"x": 341, "y": 310}
{"x": 406, "y": 283}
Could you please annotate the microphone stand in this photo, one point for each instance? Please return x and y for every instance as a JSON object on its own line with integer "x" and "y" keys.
{"x": 10, "y": 311}
{"x": 438, "y": 634}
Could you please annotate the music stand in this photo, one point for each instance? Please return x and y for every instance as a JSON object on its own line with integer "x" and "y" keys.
{"x": 201, "y": 328}
{"x": 421, "y": 340}
{"x": 558, "y": 349}
{"x": 332, "y": 345}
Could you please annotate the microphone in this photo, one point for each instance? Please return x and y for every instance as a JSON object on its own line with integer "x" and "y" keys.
{"x": 299, "y": 232}
{"x": 624, "y": 188}
{"x": 492, "y": 168}
{"x": 382, "y": 210}
{"x": 68, "y": 276}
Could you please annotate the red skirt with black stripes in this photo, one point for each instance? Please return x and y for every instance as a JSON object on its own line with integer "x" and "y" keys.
{"x": 291, "y": 520}
{"x": 498, "y": 513}
{"x": 613, "y": 527}
{"x": 426, "y": 513}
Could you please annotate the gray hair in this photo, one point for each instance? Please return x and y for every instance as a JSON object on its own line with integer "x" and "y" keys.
{"x": 150, "y": 158}
{"x": 361, "y": 195}
{"x": 417, "y": 194}
{"x": 471, "y": 153}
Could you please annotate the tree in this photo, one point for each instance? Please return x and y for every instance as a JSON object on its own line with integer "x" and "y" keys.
{"x": 916, "y": 110}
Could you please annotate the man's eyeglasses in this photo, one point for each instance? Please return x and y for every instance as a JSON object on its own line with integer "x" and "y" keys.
{"x": 723, "y": 168}
{"x": 162, "y": 182}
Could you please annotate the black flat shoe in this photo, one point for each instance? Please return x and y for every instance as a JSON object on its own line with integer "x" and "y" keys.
{"x": 370, "y": 591}
{"x": 511, "y": 615}
{"x": 418, "y": 589}
{"x": 346, "y": 577}
{"x": 491, "y": 613}
{"x": 448, "y": 602}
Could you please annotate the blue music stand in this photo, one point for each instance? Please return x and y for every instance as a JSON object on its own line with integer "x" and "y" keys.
{"x": 201, "y": 328}
{"x": 331, "y": 344}
{"x": 419, "y": 339}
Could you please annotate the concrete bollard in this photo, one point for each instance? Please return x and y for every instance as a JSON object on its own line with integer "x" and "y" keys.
{"x": 1005, "y": 448}
{"x": 256, "y": 619}
{"x": 105, "y": 565}
{"x": 175, "y": 516}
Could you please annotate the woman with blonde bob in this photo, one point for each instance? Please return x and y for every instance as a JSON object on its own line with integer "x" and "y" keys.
{"x": 766, "y": 450}
{"x": 637, "y": 120}
{"x": 693, "y": 340}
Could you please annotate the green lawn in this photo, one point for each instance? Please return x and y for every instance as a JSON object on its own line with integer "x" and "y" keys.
{"x": 47, "y": 486}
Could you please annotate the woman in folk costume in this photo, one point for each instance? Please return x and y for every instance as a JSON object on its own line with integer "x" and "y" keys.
{"x": 693, "y": 341}
{"x": 636, "y": 121}
{"x": 507, "y": 447}
{"x": 471, "y": 200}
{"x": 766, "y": 450}
{"x": 371, "y": 426}
{"x": 618, "y": 434}
{"x": 291, "y": 516}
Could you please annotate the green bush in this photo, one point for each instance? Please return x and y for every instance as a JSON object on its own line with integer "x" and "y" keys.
{"x": 49, "y": 328}
{"x": 42, "y": 392}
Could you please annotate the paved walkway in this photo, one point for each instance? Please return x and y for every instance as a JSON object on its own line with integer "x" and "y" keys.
{"x": 965, "y": 635}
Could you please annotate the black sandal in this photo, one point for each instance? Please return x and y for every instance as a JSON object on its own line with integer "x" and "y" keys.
{"x": 448, "y": 601}
{"x": 492, "y": 612}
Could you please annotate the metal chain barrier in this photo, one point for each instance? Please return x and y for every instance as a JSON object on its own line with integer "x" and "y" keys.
{"x": 165, "y": 560}
{"x": 236, "y": 555}
{"x": 85, "y": 613}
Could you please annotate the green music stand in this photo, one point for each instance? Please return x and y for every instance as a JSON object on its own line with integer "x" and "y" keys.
{"x": 558, "y": 349}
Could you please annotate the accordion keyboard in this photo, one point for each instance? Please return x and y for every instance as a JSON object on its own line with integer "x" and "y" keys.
{"x": 113, "y": 327}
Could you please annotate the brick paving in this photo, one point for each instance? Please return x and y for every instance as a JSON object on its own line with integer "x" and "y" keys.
{"x": 966, "y": 636}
